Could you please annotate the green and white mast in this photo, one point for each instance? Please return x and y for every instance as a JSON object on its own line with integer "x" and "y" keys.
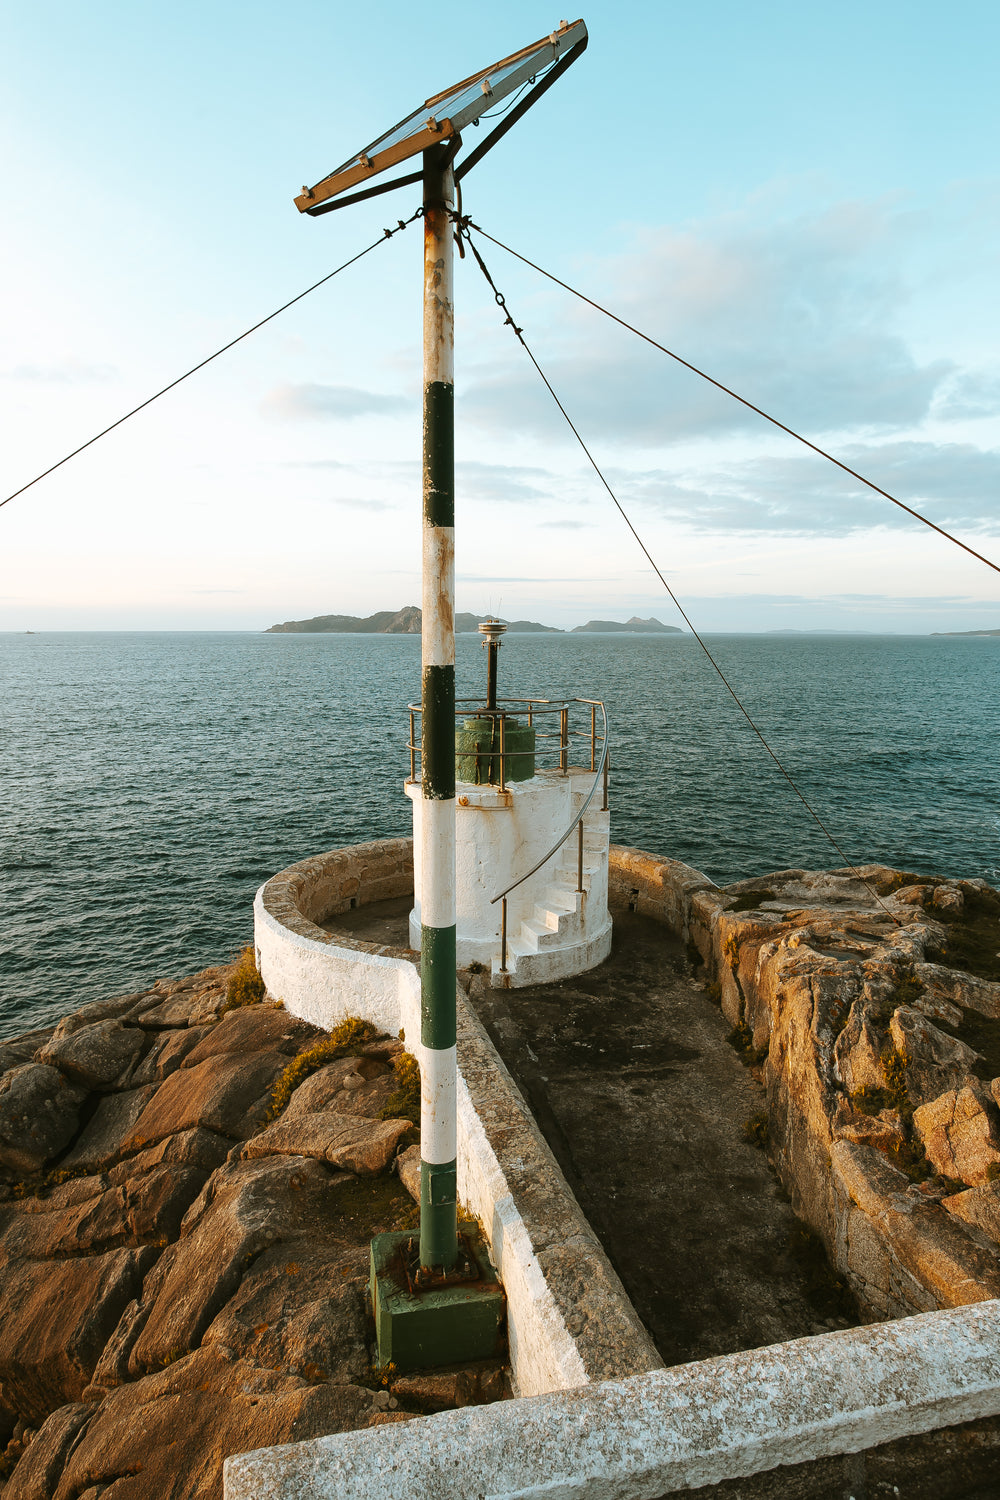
{"x": 438, "y": 1138}
{"x": 434, "y": 132}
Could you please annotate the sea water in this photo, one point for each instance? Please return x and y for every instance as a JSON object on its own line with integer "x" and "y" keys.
{"x": 152, "y": 781}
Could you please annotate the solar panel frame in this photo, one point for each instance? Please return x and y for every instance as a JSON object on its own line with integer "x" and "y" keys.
{"x": 423, "y": 128}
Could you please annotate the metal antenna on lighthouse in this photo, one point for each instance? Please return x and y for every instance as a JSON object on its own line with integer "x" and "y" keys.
{"x": 434, "y": 131}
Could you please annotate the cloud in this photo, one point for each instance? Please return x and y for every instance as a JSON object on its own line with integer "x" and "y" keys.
{"x": 66, "y": 372}
{"x": 973, "y": 393}
{"x": 956, "y": 484}
{"x": 311, "y": 400}
{"x": 799, "y": 317}
{"x": 354, "y": 502}
{"x": 575, "y": 578}
{"x": 564, "y": 525}
{"x": 312, "y": 463}
{"x": 500, "y": 482}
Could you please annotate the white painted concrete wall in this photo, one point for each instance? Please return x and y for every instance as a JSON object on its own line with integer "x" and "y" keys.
{"x": 664, "y": 1432}
{"x": 499, "y": 836}
{"x": 324, "y": 982}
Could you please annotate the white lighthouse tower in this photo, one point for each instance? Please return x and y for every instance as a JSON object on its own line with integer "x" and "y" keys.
{"x": 531, "y": 832}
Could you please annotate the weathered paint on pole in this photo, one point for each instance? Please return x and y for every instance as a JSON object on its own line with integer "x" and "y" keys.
{"x": 438, "y": 1138}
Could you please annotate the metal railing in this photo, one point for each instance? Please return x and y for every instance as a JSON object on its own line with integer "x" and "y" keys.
{"x": 539, "y": 711}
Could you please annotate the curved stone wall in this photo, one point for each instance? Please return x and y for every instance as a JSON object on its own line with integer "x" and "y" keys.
{"x": 324, "y": 977}
{"x": 551, "y": 1263}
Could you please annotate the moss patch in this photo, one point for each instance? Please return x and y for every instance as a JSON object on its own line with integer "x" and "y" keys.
{"x": 754, "y": 1131}
{"x": 910, "y": 1158}
{"x": 375, "y": 1205}
{"x": 908, "y": 1155}
{"x": 345, "y": 1040}
{"x": 245, "y": 986}
{"x": 404, "y": 1102}
{"x": 741, "y": 1040}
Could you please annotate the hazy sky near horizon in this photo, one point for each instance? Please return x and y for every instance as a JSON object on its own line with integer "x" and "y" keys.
{"x": 804, "y": 201}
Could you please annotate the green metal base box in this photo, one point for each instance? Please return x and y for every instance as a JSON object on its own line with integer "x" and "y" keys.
{"x": 439, "y": 1325}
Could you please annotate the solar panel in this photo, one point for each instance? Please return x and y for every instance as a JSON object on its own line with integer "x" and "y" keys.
{"x": 443, "y": 116}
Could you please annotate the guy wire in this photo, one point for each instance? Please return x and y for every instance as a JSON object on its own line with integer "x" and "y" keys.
{"x": 501, "y": 302}
{"x": 386, "y": 235}
{"x": 469, "y": 223}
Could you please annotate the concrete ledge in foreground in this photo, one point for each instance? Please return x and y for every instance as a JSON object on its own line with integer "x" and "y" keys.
{"x": 669, "y": 1430}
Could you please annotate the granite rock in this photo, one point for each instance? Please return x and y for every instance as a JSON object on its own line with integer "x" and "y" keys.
{"x": 979, "y": 1206}
{"x": 39, "y": 1109}
{"x": 355, "y": 1144}
{"x": 960, "y": 1133}
{"x": 104, "y": 1010}
{"x": 95, "y": 1056}
{"x": 164, "y": 1056}
{"x": 56, "y": 1324}
{"x": 245, "y": 1207}
{"x": 189, "y": 1417}
{"x": 254, "y": 1028}
{"x": 934, "y": 1061}
{"x": 37, "y": 1475}
{"x": 100, "y": 1141}
{"x": 227, "y": 1096}
{"x": 408, "y": 1167}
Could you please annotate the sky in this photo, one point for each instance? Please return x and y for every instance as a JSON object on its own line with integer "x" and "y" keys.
{"x": 803, "y": 201}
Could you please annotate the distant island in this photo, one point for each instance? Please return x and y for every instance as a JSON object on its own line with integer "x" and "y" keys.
{"x": 406, "y": 621}
{"x": 633, "y": 626}
{"x": 965, "y": 632}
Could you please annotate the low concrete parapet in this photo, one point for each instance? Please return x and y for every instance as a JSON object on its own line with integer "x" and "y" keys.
{"x": 324, "y": 977}
{"x": 569, "y": 1319}
{"x": 668, "y": 1431}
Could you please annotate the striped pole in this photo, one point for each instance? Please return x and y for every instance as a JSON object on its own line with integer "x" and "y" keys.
{"x": 438, "y": 1138}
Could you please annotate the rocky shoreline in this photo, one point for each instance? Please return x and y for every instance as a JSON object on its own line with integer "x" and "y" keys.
{"x": 189, "y": 1182}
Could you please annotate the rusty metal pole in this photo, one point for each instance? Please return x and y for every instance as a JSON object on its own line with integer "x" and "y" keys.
{"x": 438, "y": 1131}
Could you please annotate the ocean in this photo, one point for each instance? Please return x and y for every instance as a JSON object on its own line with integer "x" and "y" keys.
{"x": 152, "y": 781}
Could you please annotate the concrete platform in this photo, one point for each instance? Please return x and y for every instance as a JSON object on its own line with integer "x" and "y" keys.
{"x": 630, "y": 1076}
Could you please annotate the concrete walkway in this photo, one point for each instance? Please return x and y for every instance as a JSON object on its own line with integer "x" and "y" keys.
{"x": 643, "y": 1101}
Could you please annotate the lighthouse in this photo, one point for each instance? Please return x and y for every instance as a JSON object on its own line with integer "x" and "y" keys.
{"x": 531, "y": 834}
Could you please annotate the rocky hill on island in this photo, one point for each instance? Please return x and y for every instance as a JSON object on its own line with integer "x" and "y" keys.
{"x": 188, "y": 1187}
{"x": 404, "y": 621}
{"x": 635, "y": 626}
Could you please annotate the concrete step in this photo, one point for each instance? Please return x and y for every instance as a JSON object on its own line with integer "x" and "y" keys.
{"x": 565, "y": 926}
{"x": 593, "y": 838}
{"x": 543, "y": 965}
{"x": 558, "y": 907}
{"x": 533, "y": 936}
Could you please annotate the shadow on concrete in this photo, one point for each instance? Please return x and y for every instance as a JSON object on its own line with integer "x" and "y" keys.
{"x": 645, "y": 1104}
